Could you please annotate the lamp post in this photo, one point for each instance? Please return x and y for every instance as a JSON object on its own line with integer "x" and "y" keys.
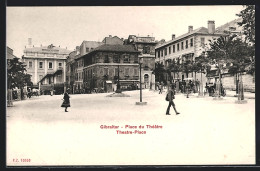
{"x": 141, "y": 102}
{"x": 118, "y": 89}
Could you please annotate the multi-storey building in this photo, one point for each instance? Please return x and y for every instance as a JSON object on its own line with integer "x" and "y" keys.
{"x": 190, "y": 45}
{"x": 71, "y": 70}
{"x": 146, "y": 47}
{"x": 104, "y": 63}
{"x": 186, "y": 47}
{"x": 84, "y": 48}
{"x": 46, "y": 64}
{"x": 77, "y": 83}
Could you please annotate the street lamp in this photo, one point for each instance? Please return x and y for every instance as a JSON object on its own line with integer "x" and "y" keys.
{"x": 141, "y": 102}
{"x": 118, "y": 89}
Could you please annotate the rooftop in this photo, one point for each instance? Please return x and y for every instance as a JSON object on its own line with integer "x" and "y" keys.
{"x": 116, "y": 48}
{"x": 201, "y": 30}
{"x": 47, "y": 49}
{"x": 232, "y": 23}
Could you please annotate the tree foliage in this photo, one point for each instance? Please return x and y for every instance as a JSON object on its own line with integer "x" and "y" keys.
{"x": 202, "y": 64}
{"x": 159, "y": 71}
{"x": 230, "y": 53}
{"x": 187, "y": 67}
{"x": 16, "y": 74}
{"x": 248, "y": 22}
{"x": 174, "y": 66}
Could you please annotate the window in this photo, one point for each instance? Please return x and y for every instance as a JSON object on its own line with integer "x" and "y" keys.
{"x": 30, "y": 64}
{"x": 178, "y": 47}
{"x": 50, "y": 65}
{"x": 173, "y": 49}
{"x": 126, "y": 59}
{"x": 191, "y": 42}
{"x": 116, "y": 59}
{"x": 136, "y": 59}
{"x": 186, "y": 45}
{"x": 146, "y": 49}
{"x": 135, "y": 71}
{"x": 106, "y": 59}
{"x": 116, "y": 71}
{"x": 87, "y": 49}
{"x": 182, "y": 46}
{"x": 170, "y": 50}
{"x": 162, "y": 53}
{"x": 60, "y": 64}
{"x": 158, "y": 53}
{"x": 91, "y": 49}
{"x": 126, "y": 71}
{"x": 202, "y": 42}
{"x": 165, "y": 51}
{"x": 40, "y": 65}
{"x": 105, "y": 71}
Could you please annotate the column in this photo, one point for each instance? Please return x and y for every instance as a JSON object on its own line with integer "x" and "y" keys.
{"x": 45, "y": 66}
{"x": 55, "y": 68}
{"x": 35, "y": 71}
{"x": 46, "y": 81}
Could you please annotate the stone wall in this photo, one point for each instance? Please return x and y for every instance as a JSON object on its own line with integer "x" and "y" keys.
{"x": 229, "y": 82}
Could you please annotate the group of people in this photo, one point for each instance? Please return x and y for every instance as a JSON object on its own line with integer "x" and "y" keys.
{"x": 211, "y": 89}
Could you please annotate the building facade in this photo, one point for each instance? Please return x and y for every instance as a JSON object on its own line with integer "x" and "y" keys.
{"x": 46, "y": 64}
{"x": 146, "y": 48}
{"x": 103, "y": 65}
{"x": 191, "y": 44}
{"x": 186, "y": 47}
{"x": 75, "y": 62}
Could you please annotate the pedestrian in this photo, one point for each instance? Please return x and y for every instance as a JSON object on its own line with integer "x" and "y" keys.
{"x": 169, "y": 97}
{"x": 66, "y": 100}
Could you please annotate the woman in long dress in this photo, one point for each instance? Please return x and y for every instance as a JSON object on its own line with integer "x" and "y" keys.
{"x": 66, "y": 101}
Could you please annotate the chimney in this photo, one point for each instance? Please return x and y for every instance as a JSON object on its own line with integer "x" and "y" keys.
{"x": 190, "y": 29}
{"x": 173, "y": 36}
{"x": 110, "y": 36}
{"x": 30, "y": 41}
{"x": 211, "y": 26}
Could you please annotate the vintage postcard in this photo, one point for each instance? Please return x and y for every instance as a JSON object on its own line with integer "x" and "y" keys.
{"x": 130, "y": 85}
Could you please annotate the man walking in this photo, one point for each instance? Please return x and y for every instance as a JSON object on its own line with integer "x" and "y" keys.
{"x": 169, "y": 97}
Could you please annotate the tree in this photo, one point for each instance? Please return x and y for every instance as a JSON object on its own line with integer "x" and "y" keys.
{"x": 175, "y": 67}
{"x": 248, "y": 22}
{"x": 187, "y": 67}
{"x": 16, "y": 74}
{"x": 231, "y": 53}
{"x": 220, "y": 52}
{"x": 202, "y": 66}
{"x": 159, "y": 71}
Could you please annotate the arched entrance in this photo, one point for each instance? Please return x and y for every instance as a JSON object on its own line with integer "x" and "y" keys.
{"x": 146, "y": 80}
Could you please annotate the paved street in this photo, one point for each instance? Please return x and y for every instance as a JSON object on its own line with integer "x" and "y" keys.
{"x": 206, "y": 132}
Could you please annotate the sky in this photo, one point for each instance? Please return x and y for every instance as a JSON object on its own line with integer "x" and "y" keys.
{"x": 70, "y": 26}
